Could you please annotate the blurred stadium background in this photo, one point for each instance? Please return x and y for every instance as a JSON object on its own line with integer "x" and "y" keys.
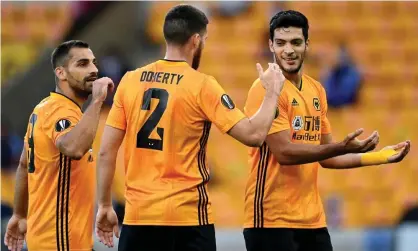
{"x": 369, "y": 209}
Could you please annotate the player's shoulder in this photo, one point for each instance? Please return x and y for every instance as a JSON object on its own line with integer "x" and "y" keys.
{"x": 198, "y": 80}
{"x": 205, "y": 78}
{"x": 136, "y": 73}
{"x": 55, "y": 104}
{"x": 313, "y": 82}
{"x": 256, "y": 83}
{"x": 256, "y": 87}
{"x": 133, "y": 74}
{"x": 47, "y": 104}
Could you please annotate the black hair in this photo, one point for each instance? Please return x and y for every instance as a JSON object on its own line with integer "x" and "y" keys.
{"x": 182, "y": 22}
{"x": 59, "y": 56}
{"x": 289, "y": 18}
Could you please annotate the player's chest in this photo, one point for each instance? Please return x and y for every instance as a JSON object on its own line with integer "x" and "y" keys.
{"x": 304, "y": 113}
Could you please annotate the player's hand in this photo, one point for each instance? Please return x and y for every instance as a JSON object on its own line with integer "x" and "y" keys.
{"x": 402, "y": 150}
{"x": 272, "y": 79}
{"x": 106, "y": 225}
{"x": 354, "y": 145}
{"x": 15, "y": 233}
{"x": 101, "y": 87}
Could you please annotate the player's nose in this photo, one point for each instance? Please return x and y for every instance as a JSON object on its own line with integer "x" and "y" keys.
{"x": 288, "y": 49}
{"x": 93, "y": 69}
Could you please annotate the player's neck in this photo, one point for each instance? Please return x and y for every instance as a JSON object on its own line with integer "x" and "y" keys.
{"x": 71, "y": 95}
{"x": 295, "y": 79}
{"x": 177, "y": 54}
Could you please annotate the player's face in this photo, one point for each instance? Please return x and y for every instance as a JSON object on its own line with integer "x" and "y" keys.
{"x": 198, "y": 54}
{"x": 289, "y": 48}
{"x": 81, "y": 71}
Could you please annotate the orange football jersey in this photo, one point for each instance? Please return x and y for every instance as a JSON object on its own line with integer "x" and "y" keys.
{"x": 287, "y": 196}
{"x": 166, "y": 109}
{"x": 61, "y": 190}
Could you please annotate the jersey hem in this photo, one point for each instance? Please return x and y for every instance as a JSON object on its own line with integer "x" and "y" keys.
{"x": 164, "y": 223}
{"x": 84, "y": 249}
{"x": 297, "y": 226}
{"x": 277, "y": 130}
{"x": 116, "y": 126}
{"x": 229, "y": 126}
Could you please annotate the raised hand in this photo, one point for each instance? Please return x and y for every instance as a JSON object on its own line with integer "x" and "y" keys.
{"x": 402, "y": 149}
{"x": 272, "y": 79}
{"x": 101, "y": 87}
{"x": 354, "y": 145}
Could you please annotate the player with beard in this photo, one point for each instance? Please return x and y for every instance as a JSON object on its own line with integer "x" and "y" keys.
{"x": 55, "y": 179}
{"x": 283, "y": 209}
{"x": 164, "y": 112}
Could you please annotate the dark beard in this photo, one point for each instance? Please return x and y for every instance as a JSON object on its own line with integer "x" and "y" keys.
{"x": 196, "y": 58}
{"x": 82, "y": 93}
{"x": 292, "y": 71}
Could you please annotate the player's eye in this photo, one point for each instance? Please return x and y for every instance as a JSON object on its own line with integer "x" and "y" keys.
{"x": 280, "y": 43}
{"x": 297, "y": 42}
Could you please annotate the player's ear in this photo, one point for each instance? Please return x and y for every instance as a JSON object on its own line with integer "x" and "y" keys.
{"x": 307, "y": 44}
{"x": 60, "y": 73}
{"x": 271, "y": 45}
{"x": 196, "y": 40}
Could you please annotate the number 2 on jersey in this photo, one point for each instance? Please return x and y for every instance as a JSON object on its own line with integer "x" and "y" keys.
{"x": 31, "y": 143}
{"x": 142, "y": 138}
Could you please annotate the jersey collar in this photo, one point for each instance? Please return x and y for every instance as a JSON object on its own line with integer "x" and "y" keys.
{"x": 301, "y": 84}
{"x": 172, "y": 62}
{"x": 63, "y": 97}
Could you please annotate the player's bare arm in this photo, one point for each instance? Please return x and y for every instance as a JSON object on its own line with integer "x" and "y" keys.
{"x": 106, "y": 220}
{"x": 253, "y": 131}
{"x": 389, "y": 154}
{"x": 78, "y": 141}
{"x": 16, "y": 228}
{"x": 288, "y": 153}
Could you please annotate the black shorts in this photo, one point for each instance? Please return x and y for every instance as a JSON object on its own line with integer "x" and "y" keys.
{"x": 167, "y": 238}
{"x": 287, "y": 239}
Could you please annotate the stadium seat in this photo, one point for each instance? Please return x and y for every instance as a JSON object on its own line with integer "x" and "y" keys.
{"x": 26, "y": 29}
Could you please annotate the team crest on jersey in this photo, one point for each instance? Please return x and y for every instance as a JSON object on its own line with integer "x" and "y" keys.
{"x": 227, "y": 102}
{"x": 297, "y": 123}
{"x": 62, "y": 124}
{"x": 316, "y": 104}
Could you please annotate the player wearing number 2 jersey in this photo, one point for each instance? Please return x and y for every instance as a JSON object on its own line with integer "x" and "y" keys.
{"x": 55, "y": 179}
{"x": 165, "y": 111}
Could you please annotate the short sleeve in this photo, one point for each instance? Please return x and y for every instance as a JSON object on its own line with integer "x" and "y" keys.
{"x": 281, "y": 123}
{"x": 325, "y": 124}
{"x": 218, "y": 106}
{"x": 117, "y": 115}
{"x": 255, "y": 99}
{"x": 60, "y": 121}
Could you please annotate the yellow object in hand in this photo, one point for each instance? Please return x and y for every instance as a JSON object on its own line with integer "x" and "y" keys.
{"x": 377, "y": 158}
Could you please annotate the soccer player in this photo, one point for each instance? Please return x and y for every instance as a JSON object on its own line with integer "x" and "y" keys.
{"x": 164, "y": 111}
{"x": 55, "y": 179}
{"x": 283, "y": 210}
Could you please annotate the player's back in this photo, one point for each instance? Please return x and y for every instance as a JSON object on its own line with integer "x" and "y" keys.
{"x": 168, "y": 114}
{"x": 61, "y": 190}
